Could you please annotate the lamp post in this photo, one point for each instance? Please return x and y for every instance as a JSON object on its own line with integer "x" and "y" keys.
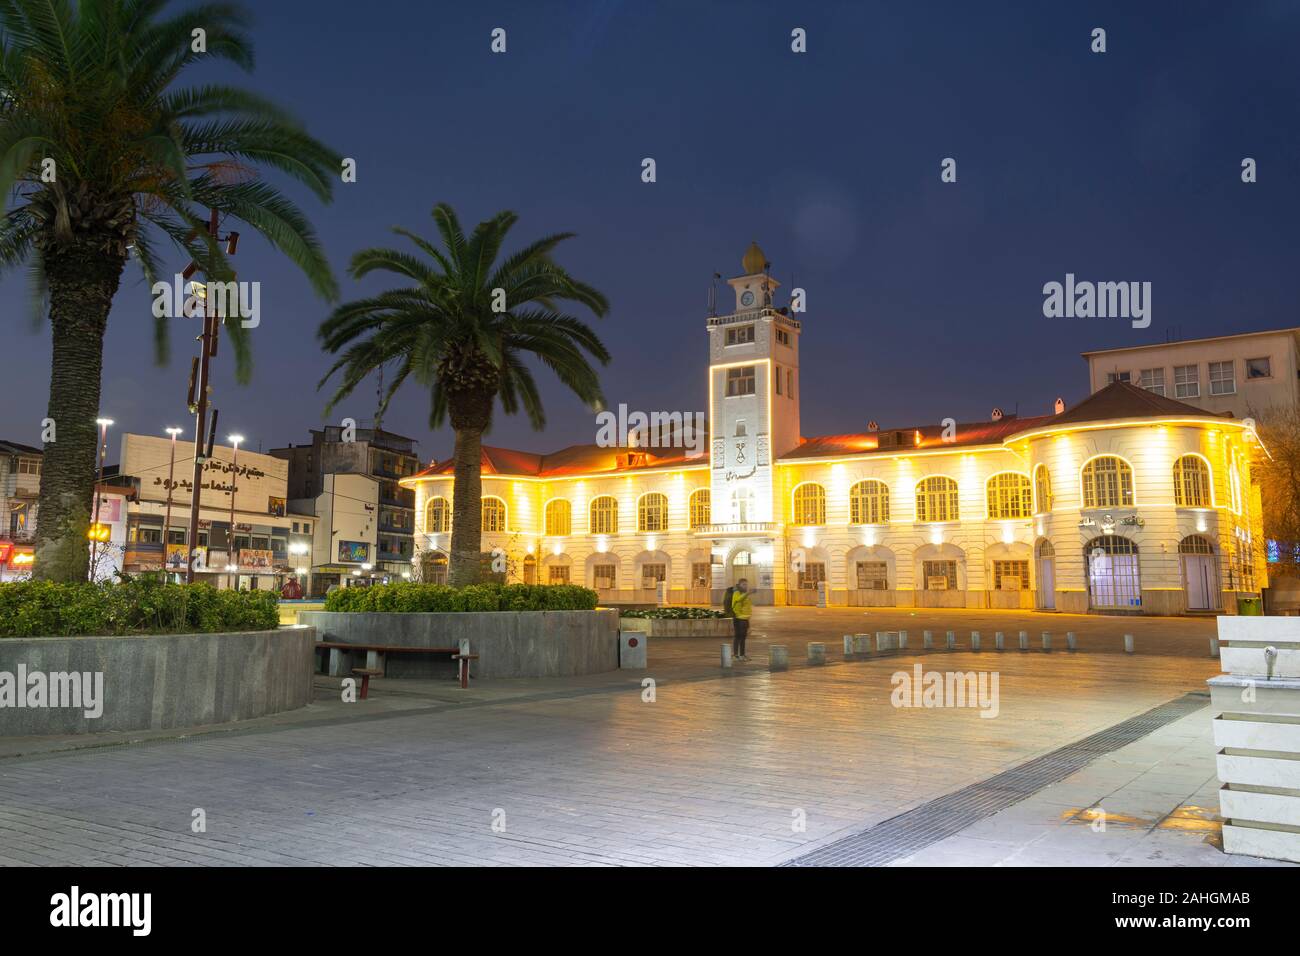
{"x": 232, "y": 562}
{"x": 171, "y": 484}
{"x": 103, "y": 424}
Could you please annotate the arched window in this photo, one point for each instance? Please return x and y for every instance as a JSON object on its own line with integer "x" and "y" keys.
{"x": 810, "y": 504}
{"x": 652, "y": 512}
{"x": 494, "y": 514}
{"x": 437, "y": 516}
{"x": 1195, "y": 544}
{"x": 869, "y": 503}
{"x": 1107, "y": 483}
{"x": 1009, "y": 496}
{"x": 559, "y": 518}
{"x": 604, "y": 515}
{"x": 1191, "y": 482}
{"x": 701, "y": 508}
{"x": 936, "y": 499}
{"x": 1042, "y": 489}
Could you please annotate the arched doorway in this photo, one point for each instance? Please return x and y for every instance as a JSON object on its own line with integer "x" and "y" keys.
{"x": 433, "y": 567}
{"x": 1114, "y": 580}
{"x": 530, "y": 569}
{"x": 1046, "y": 576}
{"x": 1200, "y": 575}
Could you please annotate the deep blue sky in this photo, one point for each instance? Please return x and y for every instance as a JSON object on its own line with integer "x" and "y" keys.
{"x": 924, "y": 299}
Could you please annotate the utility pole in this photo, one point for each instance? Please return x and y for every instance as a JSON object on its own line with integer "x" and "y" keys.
{"x": 171, "y": 485}
{"x": 199, "y": 396}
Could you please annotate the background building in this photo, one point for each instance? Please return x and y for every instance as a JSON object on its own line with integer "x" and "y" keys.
{"x": 1242, "y": 375}
{"x": 20, "y": 486}
{"x": 382, "y": 455}
{"x": 346, "y": 518}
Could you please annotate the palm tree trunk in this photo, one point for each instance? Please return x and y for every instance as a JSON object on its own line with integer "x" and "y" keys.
{"x": 467, "y": 509}
{"x": 83, "y": 280}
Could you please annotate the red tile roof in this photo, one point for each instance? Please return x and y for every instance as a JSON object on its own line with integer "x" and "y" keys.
{"x": 1120, "y": 400}
{"x": 902, "y": 440}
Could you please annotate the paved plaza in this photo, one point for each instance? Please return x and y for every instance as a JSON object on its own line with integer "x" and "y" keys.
{"x": 706, "y": 767}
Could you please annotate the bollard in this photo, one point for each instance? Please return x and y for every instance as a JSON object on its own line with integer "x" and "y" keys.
{"x": 902, "y": 640}
{"x": 726, "y": 655}
{"x": 816, "y": 653}
{"x": 1214, "y": 647}
{"x": 974, "y": 640}
{"x": 1047, "y": 641}
{"x": 1024, "y": 640}
{"x": 778, "y": 657}
{"x": 1128, "y": 643}
{"x": 952, "y": 641}
{"x": 861, "y": 645}
{"x": 927, "y": 640}
{"x": 1069, "y": 640}
{"x": 998, "y": 641}
{"x": 848, "y": 647}
{"x": 886, "y": 640}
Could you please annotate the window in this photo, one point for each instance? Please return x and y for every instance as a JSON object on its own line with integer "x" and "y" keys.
{"x": 1009, "y": 496}
{"x": 1043, "y": 489}
{"x": 873, "y": 576}
{"x": 604, "y": 515}
{"x": 652, "y": 512}
{"x": 178, "y": 537}
{"x": 1107, "y": 483}
{"x": 1187, "y": 381}
{"x": 494, "y": 514}
{"x": 1011, "y": 575}
{"x": 1113, "y": 377}
{"x": 437, "y": 516}
{"x": 559, "y": 518}
{"x": 1259, "y": 368}
{"x": 530, "y": 570}
{"x": 778, "y": 379}
{"x": 740, "y": 335}
{"x": 150, "y": 536}
{"x": 783, "y": 337}
{"x": 605, "y": 576}
{"x": 558, "y": 574}
{"x": 295, "y": 527}
{"x": 700, "y": 508}
{"x": 653, "y": 574}
{"x": 789, "y": 383}
{"x": 1222, "y": 379}
{"x": 29, "y": 466}
{"x": 936, "y": 499}
{"x": 1194, "y": 544}
{"x": 740, "y": 381}
{"x": 939, "y": 575}
{"x": 1153, "y": 380}
{"x": 813, "y": 574}
{"x": 701, "y": 574}
{"x": 869, "y": 503}
{"x": 810, "y": 504}
{"x": 1191, "y": 482}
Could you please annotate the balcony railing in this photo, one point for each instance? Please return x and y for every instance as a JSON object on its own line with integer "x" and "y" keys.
{"x": 738, "y": 527}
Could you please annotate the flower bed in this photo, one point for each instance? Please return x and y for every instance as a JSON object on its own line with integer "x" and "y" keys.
{"x": 674, "y": 613}
{"x": 407, "y": 598}
{"x": 50, "y": 609}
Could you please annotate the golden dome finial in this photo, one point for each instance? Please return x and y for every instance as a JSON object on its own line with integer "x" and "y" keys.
{"x": 754, "y": 261}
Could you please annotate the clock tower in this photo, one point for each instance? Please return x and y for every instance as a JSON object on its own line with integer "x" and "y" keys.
{"x": 754, "y": 417}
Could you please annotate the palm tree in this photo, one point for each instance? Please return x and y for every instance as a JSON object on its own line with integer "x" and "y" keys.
{"x": 462, "y": 328}
{"x": 101, "y": 155}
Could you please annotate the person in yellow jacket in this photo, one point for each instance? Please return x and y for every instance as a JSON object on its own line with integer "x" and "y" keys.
{"x": 741, "y": 609}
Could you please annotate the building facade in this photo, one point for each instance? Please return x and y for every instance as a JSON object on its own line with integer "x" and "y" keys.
{"x": 346, "y": 515}
{"x": 1129, "y": 502}
{"x": 1242, "y": 375}
{"x": 20, "y": 488}
{"x": 382, "y": 455}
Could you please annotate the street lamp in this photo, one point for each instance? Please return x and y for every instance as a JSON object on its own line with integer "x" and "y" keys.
{"x": 171, "y": 484}
{"x": 233, "y": 560}
{"x": 103, "y": 424}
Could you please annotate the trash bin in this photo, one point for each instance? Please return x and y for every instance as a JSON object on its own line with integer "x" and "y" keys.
{"x": 632, "y": 650}
{"x": 1250, "y": 607}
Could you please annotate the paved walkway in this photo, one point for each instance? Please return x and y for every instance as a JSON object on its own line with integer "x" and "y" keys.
{"x": 739, "y": 768}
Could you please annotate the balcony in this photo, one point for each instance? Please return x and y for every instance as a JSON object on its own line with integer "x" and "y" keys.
{"x": 736, "y": 528}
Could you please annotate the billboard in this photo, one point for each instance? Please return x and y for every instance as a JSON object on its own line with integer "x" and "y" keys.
{"x": 357, "y": 552}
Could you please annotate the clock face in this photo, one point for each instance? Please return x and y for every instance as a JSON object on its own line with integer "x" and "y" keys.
{"x": 747, "y": 298}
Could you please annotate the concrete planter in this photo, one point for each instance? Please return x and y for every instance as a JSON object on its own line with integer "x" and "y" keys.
{"x": 509, "y": 643}
{"x": 1257, "y": 735}
{"x": 159, "y": 682}
{"x": 685, "y": 627}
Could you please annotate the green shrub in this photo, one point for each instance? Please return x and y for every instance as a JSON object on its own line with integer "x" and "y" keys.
{"x": 673, "y": 613}
{"x": 410, "y": 598}
{"x": 137, "y": 606}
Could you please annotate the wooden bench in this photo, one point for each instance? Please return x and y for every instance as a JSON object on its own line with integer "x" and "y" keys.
{"x": 365, "y": 673}
{"x": 373, "y": 657}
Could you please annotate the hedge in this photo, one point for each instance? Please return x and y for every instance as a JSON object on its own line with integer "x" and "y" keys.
{"x": 411, "y": 598}
{"x": 138, "y": 606}
{"x": 673, "y": 613}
